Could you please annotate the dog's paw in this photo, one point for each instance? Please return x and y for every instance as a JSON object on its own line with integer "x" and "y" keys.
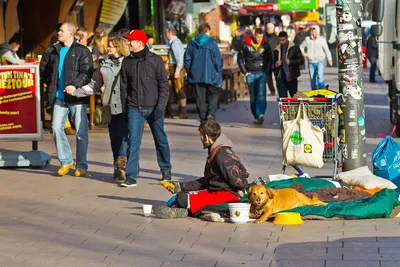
{"x": 258, "y": 221}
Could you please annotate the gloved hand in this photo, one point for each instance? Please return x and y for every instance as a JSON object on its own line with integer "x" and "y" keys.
{"x": 157, "y": 114}
{"x": 173, "y": 187}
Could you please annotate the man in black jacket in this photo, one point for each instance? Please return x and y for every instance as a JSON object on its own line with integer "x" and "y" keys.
{"x": 372, "y": 55}
{"x": 288, "y": 59}
{"x": 65, "y": 67}
{"x": 224, "y": 177}
{"x": 144, "y": 96}
{"x": 255, "y": 60}
{"x": 272, "y": 41}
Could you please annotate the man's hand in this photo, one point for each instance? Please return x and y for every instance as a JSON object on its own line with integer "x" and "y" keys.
{"x": 329, "y": 64}
{"x": 278, "y": 63}
{"x": 176, "y": 75}
{"x": 287, "y": 61}
{"x": 70, "y": 89}
{"x": 157, "y": 114}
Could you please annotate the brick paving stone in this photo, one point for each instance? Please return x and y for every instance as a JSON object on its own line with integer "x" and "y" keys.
{"x": 222, "y": 263}
{"x": 297, "y": 263}
{"x": 340, "y": 263}
{"x": 390, "y": 263}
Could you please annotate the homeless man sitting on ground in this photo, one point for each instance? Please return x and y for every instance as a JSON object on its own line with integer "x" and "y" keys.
{"x": 224, "y": 177}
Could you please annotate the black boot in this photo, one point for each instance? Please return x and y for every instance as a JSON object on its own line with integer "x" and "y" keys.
{"x": 166, "y": 176}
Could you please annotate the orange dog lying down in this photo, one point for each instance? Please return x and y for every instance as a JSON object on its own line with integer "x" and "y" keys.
{"x": 266, "y": 201}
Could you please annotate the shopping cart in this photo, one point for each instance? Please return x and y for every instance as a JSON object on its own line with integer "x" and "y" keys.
{"x": 323, "y": 112}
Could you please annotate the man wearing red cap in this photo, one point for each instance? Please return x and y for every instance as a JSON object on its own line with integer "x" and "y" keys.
{"x": 144, "y": 96}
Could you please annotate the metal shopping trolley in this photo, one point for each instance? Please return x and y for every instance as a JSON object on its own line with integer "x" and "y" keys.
{"x": 323, "y": 112}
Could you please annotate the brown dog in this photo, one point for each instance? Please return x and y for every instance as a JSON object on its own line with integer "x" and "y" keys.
{"x": 266, "y": 201}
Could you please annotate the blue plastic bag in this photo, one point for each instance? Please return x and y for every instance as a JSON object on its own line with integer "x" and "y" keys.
{"x": 386, "y": 160}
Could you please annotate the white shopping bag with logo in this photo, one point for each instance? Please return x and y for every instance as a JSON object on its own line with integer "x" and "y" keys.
{"x": 303, "y": 142}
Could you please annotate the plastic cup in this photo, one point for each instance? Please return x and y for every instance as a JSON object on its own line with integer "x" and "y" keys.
{"x": 39, "y": 57}
{"x": 147, "y": 210}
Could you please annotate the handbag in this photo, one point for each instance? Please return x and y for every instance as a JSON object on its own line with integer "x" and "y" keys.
{"x": 102, "y": 115}
{"x": 303, "y": 142}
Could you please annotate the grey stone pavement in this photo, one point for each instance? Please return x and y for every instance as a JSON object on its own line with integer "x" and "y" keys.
{"x": 51, "y": 221}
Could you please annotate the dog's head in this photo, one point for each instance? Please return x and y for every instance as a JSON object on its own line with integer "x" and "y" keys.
{"x": 259, "y": 195}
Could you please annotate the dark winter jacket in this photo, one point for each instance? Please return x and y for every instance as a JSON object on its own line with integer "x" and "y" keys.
{"x": 272, "y": 40}
{"x": 300, "y": 37}
{"x": 144, "y": 82}
{"x": 203, "y": 61}
{"x": 372, "y": 47}
{"x": 223, "y": 170}
{"x": 78, "y": 70}
{"x": 251, "y": 60}
{"x": 237, "y": 43}
{"x": 296, "y": 59}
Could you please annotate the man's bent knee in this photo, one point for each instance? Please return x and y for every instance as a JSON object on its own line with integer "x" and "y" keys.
{"x": 182, "y": 200}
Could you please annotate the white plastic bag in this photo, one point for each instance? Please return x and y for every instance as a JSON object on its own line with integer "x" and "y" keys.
{"x": 303, "y": 142}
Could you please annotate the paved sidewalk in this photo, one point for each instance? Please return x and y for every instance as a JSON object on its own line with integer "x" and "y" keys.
{"x": 69, "y": 221}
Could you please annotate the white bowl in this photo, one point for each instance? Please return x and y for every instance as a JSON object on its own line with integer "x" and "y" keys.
{"x": 239, "y": 212}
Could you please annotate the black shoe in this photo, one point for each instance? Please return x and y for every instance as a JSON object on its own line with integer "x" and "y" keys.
{"x": 211, "y": 117}
{"x": 166, "y": 176}
{"x": 129, "y": 183}
{"x": 165, "y": 212}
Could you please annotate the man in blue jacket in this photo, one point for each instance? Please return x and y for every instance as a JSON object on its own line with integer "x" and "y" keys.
{"x": 203, "y": 63}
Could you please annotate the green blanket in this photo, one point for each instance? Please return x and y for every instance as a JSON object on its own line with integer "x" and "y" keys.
{"x": 380, "y": 205}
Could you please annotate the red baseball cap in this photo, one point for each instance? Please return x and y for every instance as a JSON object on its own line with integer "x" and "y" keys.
{"x": 137, "y": 35}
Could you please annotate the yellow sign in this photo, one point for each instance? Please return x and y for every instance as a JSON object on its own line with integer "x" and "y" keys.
{"x": 16, "y": 80}
{"x": 112, "y": 10}
{"x": 307, "y": 16}
{"x": 307, "y": 148}
{"x": 343, "y": 132}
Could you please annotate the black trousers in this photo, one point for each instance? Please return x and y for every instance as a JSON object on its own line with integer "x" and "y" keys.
{"x": 285, "y": 86}
{"x": 207, "y": 97}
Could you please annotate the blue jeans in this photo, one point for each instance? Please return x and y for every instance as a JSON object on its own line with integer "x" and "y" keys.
{"x": 118, "y": 130}
{"x": 258, "y": 93}
{"x": 372, "y": 70}
{"x": 79, "y": 118}
{"x": 136, "y": 119}
{"x": 285, "y": 86}
{"x": 316, "y": 75}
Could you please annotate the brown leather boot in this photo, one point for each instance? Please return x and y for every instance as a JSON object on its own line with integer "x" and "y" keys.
{"x": 120, "y": 169}
{"x": 182, "y": 114}
{"x": 69, "y": 131}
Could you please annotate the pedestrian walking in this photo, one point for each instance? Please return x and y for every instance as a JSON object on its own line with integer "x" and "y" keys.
{"x": 372, "y": 55}
{"x": 144, "y": 96}
{"x": 108, "y": 75}
{"x": 176, "y": 73}
{"x": 288, "y": 59}
{"x": 316, "y": 50}
{"x": 66, "y": 67}
{"x": 203, "y": 63}
{"x": 255, "y": 61}
{"x": 272, "y": 41}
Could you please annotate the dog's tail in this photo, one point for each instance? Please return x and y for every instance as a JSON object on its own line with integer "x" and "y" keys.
{"x": 315, "y": 201}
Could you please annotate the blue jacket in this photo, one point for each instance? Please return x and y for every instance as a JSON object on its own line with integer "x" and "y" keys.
{"x": 203, "y": 61}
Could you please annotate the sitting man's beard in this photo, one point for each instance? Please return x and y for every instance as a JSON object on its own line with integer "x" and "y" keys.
{"x": 205, "y": 145}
